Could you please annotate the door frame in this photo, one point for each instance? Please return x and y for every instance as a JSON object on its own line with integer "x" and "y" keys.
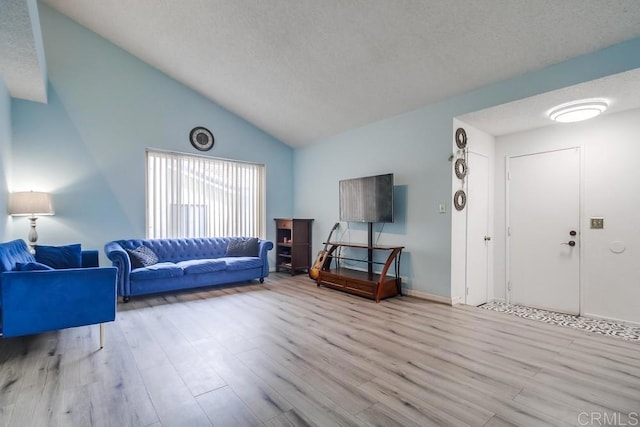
{"x": 484, "y": 144}
{"x": 507, "y": 216}
{"x": 488, "y": 230}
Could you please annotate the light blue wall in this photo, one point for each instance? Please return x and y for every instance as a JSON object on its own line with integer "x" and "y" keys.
{"x": 87, "y": 145}
{"x": 416, "y": 147}
{"x": 5, "y": 156}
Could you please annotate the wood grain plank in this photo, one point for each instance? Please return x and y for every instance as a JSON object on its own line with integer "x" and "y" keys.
{"x": 172, "y": 400}
{"x": 341, "y": 393}
{"x": 380, "y": 415}
{"x": 286, "y": 353}
{"x": 265, "y": 402}
{"x": 224, "y": 408}
{"x": 287, "y": 419}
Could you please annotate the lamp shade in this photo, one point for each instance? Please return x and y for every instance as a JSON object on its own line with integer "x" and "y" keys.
{"x": 30, "y": 203}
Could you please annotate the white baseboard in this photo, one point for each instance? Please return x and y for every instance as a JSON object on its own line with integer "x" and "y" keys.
{"x": 611, "y": 319}
{"x": 414, "y": 293}
{"x": 424, "y": 295}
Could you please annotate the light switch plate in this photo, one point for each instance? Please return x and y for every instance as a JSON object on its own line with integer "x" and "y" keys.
{"x": 597, "y": 223}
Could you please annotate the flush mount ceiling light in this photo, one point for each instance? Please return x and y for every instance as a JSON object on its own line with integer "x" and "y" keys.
{"x": 578, "y": 110}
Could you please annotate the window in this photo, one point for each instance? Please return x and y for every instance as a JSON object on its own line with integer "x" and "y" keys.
{"x": 197, "y": 196}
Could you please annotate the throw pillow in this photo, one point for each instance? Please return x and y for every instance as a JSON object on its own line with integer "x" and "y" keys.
{"x": 245, "y": 246}
{"x": 142, "y": 256}
{"x": 32, "y": 266}
{"x": 69, "y": 256}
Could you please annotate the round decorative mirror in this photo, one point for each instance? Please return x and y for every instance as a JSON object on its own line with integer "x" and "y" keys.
{"x": 460, "y": 200}
{"x": 461, "y": 168}
{"x": 461, "y": 138}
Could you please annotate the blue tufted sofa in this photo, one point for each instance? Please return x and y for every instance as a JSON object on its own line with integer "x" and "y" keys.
{"x": 185, "y": 263}
{"x": 38, "y": 301}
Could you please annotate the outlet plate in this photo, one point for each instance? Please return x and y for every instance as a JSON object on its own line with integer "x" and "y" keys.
{"x": 597, "y": 223}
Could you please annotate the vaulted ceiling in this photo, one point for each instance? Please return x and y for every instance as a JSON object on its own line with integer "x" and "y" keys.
{"x": 307, "y": 69}
{"x": 22, "y": 63}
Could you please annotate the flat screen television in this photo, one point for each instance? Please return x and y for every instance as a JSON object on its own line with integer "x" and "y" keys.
{"x": 367, "y": 199}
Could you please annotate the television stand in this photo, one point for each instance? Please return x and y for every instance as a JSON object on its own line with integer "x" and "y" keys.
{"x": 367, "y": 284}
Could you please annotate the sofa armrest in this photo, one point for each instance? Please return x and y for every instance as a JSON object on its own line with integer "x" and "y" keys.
{"x": 39, "y": 301}
{"x": 264, "y": 248}
{"x": 90, "y": 258}
{"x": 120, "y": 259}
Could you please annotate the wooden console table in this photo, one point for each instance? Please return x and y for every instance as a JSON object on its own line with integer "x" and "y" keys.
{"x": 367, "y": 284}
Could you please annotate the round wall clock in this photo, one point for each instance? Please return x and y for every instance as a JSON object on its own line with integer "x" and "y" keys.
{"x": 201, "y": 138}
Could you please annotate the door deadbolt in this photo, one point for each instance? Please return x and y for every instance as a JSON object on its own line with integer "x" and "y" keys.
{"x": 572, "y": 233}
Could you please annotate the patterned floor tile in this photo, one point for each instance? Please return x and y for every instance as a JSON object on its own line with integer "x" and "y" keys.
{"x": 597, "y": 326}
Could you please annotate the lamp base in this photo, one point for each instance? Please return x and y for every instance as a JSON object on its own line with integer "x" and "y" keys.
{"x": 33, "y": 235}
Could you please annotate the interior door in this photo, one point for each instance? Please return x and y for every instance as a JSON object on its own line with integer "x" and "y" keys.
{"x": 478, "y": 239}
{"x": 543, "y": 230}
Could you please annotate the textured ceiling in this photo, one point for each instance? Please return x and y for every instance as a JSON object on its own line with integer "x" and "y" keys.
{"x": 621, "y": 92}
{"x": 22, "y": 64}
{"x": 307, "y": 69}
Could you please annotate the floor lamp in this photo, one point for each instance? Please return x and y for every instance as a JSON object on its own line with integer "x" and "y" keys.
{"x": 30, "y": 203}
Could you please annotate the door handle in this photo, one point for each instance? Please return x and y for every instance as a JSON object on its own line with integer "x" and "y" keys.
{"x": 570, "y": 243}
{"x": 487, "y": 238}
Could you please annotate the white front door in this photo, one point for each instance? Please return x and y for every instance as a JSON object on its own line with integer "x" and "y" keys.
{"x": 478, "y": 239}
{"x": 543, "y": 209}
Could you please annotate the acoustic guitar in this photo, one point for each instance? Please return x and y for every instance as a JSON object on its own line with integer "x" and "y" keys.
{"x": 314, "y": 271}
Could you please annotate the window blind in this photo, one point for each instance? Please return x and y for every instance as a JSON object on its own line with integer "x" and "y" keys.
{"x": 197, "y": 196}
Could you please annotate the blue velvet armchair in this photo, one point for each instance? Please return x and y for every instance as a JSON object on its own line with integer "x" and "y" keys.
{"x": 44, "y": 300}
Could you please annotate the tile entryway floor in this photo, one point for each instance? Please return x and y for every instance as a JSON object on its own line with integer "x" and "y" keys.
{"x": 598, "y": 326}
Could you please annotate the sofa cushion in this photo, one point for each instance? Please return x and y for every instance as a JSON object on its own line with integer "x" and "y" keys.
{"x": 32, "y": 266}
{"x": 142, "y": 256}
{"x": 243, "y": 246}
{"x": 69, "y": 256}
{"x": 242, "y": 263}
{"x": 196, "y": 266}
{"x": 14, "y": 252}
{"x": 160, "y": 270}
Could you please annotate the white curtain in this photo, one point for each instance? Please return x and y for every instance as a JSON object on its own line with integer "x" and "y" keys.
{"x": 197, "y": 196}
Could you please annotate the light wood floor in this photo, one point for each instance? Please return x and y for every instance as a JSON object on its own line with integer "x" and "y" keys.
{"x": 287, "y": 353}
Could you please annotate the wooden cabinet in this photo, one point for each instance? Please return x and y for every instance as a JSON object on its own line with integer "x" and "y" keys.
{"x": 293, "y": 244}
{"x": 367, "y": 284}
